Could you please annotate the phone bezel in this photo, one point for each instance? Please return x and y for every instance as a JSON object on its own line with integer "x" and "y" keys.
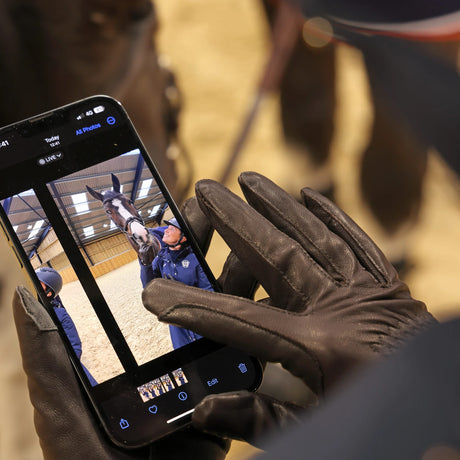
{"x": 180, "y": 357}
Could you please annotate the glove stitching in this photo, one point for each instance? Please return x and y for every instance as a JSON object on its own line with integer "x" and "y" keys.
{"x": 164, "y": 317}
{"x": 340, "y": 280}
{"x": 383, "y": 280}
{"x": 304, "y": 297}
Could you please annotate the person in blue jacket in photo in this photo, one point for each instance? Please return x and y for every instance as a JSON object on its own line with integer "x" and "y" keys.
{"x": 51, "y": 282}
{"x": 147, "y": 274}
{"x": 177, "y": 261}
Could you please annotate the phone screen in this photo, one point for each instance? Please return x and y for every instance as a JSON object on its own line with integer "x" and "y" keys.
{"x": 80, "y": 198}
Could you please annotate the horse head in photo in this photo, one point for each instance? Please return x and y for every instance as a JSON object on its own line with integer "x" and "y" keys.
{"x": 126, "y": 217}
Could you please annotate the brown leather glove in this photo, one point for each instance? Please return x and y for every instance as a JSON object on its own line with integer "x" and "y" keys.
{"x": 245, "y": 416}
{"x": 335, "y": 301}
{"x": 66, "y": 427}
{"x": 148, "y": 252}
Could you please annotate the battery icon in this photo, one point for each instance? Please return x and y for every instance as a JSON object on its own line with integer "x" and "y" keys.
{"x": 99, "y": 109}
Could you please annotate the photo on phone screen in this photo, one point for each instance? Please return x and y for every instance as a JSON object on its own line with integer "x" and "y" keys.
{"x": 90, "y": 219}
{"x": 111, "y": 209}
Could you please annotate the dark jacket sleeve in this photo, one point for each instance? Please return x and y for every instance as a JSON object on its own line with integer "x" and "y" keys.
{"x": 70, "y": 329}
{"x": 404, "y": 407}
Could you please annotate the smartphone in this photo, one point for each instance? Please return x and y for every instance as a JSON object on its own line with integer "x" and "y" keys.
{"x": 91, "y": 222}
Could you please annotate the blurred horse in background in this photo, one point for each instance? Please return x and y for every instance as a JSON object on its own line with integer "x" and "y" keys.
{"x": 52, "y": 53}
{"x": 394, "y": 163}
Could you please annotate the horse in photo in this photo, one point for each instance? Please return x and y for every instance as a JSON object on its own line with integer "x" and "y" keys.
{"x": 126, "y": 217}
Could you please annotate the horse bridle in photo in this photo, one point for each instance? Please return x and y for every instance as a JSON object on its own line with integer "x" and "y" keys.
{"x": 129, "y": 220}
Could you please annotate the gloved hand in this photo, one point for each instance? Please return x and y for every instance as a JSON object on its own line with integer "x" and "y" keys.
{"x": 335, "y": 301}
{"x": 148, "y": 252}
{"x": 65, "y": 426}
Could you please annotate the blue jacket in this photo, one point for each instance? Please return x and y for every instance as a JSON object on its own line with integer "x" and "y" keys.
{"x": 71, "y": 332}
{"x": 69, "y": 326}
{"x": 183, "y": 266}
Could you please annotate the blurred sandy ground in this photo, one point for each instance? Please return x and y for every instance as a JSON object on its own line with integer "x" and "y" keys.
{"x": 218, "y": 50}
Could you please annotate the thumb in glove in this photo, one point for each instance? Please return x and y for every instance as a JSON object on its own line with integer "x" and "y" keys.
{"x": 63, "y": 422}
{"x": 67, "y": 428}
{"x": 244, "y": 416}
{"x": 148, "y": 252}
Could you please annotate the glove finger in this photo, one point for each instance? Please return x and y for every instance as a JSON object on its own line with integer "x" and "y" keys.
{"x": 272, "y": 256}
{"x": 368, "y": 254}
{"x": 266, "y": 332}
{"x": 236, "y": 279}
{"x": 280, "y": 208}
{"x": 148, "y": 252}
{"x": 244, "y": 416}
{"x": 198, "y": 223}
{"x": 62, "y": 420}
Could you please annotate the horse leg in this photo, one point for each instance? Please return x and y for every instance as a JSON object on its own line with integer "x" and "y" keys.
{"x": 394, "y": 165}
{"x": 393, "y": 168}
{"x": 308, "y": 100}
{"x": 392, "y": 174}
